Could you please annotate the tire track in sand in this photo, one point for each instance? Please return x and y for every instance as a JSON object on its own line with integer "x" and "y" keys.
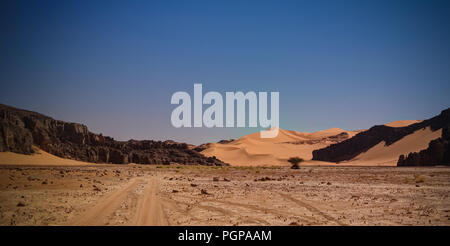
{"x": 98, "y": 214}
{"x": 226, "y": 213}
{"x": 149, "y": 209}
{"x": 312, "y": 209}
{"x": 256, "y": 208}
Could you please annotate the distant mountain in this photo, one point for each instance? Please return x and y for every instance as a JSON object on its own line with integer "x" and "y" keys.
{"x": 363, "y": 142}
{"x": 21, "y": 129}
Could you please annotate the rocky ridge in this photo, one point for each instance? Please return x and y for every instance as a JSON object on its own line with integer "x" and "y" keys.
{"x": 21, "y": 129}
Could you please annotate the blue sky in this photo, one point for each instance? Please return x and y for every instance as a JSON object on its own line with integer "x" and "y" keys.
{"x": 113, "y": 65}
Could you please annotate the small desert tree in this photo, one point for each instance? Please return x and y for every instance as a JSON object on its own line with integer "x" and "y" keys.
{"x": 295, "y": 161}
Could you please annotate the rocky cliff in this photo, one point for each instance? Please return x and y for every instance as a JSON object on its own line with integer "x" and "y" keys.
{"x": 350, "y": 148}
{"x": 437, "y": 153}
{"x": 20, "y": 129}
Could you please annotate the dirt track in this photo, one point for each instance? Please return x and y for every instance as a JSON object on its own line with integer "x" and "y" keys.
{"x": 148, "y": 210}
{"x": 180, "y": 195}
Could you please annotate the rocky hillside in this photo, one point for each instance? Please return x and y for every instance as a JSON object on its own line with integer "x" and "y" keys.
{"x": 331, "y": 139}
{"x": 20, "y": 129}
{"x": 437, "y": 153}
{"x": 350, "y": 148}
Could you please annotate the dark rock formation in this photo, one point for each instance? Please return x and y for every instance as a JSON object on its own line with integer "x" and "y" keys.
{"x": 333, "y": 139}
{"x": 363, "y": 141}
{"x": 225, "y": 141}
{"x": 437, "y": 153}
{"x": 201, "y": 147}
{"x": 21, "y": 129}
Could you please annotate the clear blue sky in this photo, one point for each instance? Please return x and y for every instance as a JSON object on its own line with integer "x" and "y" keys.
{"x": 114, "y": 65}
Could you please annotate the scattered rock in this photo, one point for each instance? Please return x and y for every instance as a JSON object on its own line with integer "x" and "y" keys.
{"x": 20, "y": 204}
{"x": 31, "y": 178}
{"x": 264, "y": 179}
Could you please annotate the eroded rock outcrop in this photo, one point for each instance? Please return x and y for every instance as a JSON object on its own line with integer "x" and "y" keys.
{"x": 331, "y": 139}
{"x": 350, "y": 148}
{"x": 21, "y": 129}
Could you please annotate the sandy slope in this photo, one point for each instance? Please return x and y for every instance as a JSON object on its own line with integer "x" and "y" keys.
{"x": 40, "y": 157}
{"x": 382, "y": 155}
{"x": 402, "y": 123}
{"x": 251, "y": 150}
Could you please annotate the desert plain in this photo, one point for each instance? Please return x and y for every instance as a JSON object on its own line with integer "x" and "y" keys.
{"x": 108, "y": 194}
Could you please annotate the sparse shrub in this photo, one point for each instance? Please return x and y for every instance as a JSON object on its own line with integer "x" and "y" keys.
{"x": 295, "y": 161}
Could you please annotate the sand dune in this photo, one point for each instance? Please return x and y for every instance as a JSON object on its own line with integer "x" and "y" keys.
{"x": 40, "y": 158}
{"x": 382, "y": 155}
{"x": 402, "y": 123}
{"x": 251, "y": 150}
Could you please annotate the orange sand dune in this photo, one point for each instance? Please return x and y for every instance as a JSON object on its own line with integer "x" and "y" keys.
{"x": 251, "y": 150}
{"x": 402, "y": 123}
{"x": 382, "y": 155}
{"x": 39, "y": 158}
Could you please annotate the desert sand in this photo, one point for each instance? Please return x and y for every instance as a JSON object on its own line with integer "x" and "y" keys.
{"x": 402, "y": 123}
{"x": 40, "y": 157}
{"x": 251, "y": 150}
{"x": 42, "y": 189}
{"x": 383, "y": 155}
{"x": 199, "y": 195}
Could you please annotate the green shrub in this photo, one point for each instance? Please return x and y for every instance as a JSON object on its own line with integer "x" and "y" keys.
{"x": 295, "y": 161}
